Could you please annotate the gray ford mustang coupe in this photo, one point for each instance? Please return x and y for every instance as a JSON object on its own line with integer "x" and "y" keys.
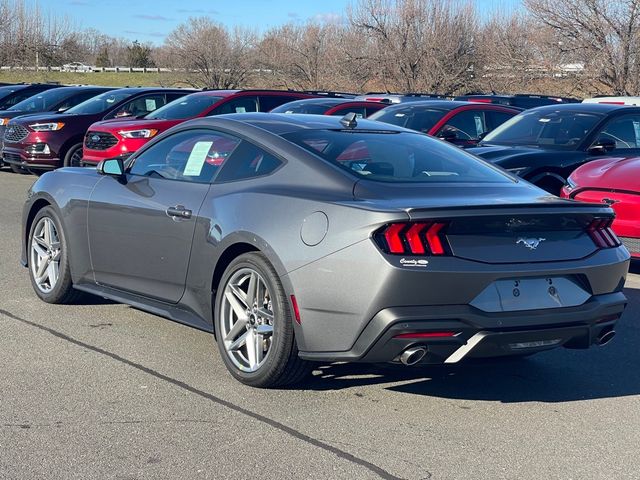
{"x": 309, "y": 238}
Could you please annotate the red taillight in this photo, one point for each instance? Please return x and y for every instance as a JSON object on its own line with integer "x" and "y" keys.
{"x": 427, "y": 335}
{"x": 414, "y": 238}
{"x": 601, "y": 233}
{"x": 480, "y": 100}
{"x": 392, "y": 236}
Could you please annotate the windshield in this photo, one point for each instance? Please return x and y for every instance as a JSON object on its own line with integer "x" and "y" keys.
{"x": 420, "y": 119}
{"x": 557, "y": 130}
{"x": 42, "y": 102}
{"x": 302, "y": 107}
{"x": 388, "y": 156}
{"x": 101, "y": 103}
{"x": 185, "y": 107}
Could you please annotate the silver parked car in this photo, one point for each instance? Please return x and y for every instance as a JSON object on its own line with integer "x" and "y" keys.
{"x": 298, "y": 238}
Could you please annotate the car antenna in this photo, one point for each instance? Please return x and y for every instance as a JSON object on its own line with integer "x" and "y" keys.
{"x": 349, "y": 120}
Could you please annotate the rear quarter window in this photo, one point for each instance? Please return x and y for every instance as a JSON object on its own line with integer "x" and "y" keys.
{"x": 396, "y": 157}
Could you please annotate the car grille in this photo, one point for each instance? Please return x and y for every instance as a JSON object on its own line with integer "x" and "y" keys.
{"x": 15, "y": 133}
{"x": 99, "y": 140}
{"x": 12, "y": 158}
{"x": 632, "y": 244}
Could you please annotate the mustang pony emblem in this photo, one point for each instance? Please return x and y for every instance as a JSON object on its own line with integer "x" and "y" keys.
{"x": 530, "y": 243}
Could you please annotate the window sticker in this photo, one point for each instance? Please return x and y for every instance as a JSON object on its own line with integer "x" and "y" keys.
{"x": 479, "y": 126}
{"x": 150, "y": 103}
{"x": 241, "y": 110}
{"x": 196, "y": 159}
{"x": 636, "y": 130}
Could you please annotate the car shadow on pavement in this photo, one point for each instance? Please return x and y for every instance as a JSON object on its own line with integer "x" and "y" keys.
{"x": 557, "y": 376}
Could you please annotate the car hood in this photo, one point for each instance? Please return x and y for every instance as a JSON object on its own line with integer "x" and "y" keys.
{"x": 613, "y": 173}
{"x": 110, "y": 125}
{"x": 498, "y": 153}
{"x": 55, "y": 117}
{"x": 20, "y": 113}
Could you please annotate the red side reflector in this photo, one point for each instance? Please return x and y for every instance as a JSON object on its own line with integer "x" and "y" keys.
{"x": 296, "y": 311}
{"x": 433, "y": 240}
{"x": 392, "y": 236}
{"x": 426, "y": 335}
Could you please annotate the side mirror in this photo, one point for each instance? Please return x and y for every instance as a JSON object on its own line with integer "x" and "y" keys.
{"x": 111, "y": 166}
{"x": 602, "y": 145}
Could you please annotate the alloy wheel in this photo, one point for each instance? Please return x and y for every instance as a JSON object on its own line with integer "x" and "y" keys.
{"x": 247, "y": 319}
{"x": 45, "y": 255}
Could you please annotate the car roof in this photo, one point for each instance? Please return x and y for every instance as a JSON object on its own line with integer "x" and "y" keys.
{"x": 614, "y": 100}
{"x": 325, "y": 101}
{"x": 602, "y": 108}
{"x": 134, "y": 90}
{"x": 438, "y": 104}
{"x": 282, "y": 123}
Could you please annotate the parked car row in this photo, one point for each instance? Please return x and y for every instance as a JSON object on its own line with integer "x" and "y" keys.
{"x": 58, "y": 126}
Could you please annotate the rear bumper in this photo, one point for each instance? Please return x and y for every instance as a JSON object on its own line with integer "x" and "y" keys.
{"x": 478, "y": 333}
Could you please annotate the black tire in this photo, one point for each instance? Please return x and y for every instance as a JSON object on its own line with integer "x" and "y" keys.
{"x": 18, "y": 169}
{"x": 63, "y": 291}
{"x": 73, "y": 156}
{"x": 281, "y": 366}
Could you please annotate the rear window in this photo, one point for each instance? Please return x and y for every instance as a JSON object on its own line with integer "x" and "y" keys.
{"x": 184, "y": 107}
{"x": 302, "y": 107}
{"x": 101, "y": 103}
{"x": 416, "y": 118}
{"x": 396, "y": 156}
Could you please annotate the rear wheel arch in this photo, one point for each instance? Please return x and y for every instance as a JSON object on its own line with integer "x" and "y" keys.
{"x": 230, "y": 253}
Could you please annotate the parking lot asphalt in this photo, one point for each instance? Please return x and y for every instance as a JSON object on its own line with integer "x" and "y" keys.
{"x": 102, "y": 390}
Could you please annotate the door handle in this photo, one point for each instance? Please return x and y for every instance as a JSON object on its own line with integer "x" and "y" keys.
{"x": 609, "y": 201}
{"x": 179, "y": 211}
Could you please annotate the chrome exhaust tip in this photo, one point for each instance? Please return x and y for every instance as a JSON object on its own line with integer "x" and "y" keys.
{"x": 606, "y": 337}
{"x": 413, "y": 355}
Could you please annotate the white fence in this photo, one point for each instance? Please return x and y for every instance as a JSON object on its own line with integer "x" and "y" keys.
{"x": 96, "y": 69}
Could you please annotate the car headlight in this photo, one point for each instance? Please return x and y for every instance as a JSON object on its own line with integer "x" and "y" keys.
{"x": 142, "y": 133}
{"x": 46, "y": 127}
{"x": 4, "y": 121}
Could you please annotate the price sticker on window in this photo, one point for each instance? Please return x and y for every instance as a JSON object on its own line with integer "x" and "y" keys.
{"x": 196, "y": 160}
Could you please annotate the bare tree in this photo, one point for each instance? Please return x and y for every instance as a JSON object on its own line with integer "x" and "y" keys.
{"x": 420, "y": 45}
{"x": 303, "y": 56}
{"x": 602, "y": 34}
{"x": 211, "y": 55}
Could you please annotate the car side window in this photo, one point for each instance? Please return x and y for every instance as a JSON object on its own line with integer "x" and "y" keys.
{"x": 495, "y": 119}
{"x": 468, "y": 125}
{"x": 624, "y": 130}
{"x": 269, "y": 102}
{"x": 237, "y": 105}
{"x": 139, "y": 106}
{"x": 187, "y": 156}
{"x": 247, "y": 161}
{"x": 371, "y": 110}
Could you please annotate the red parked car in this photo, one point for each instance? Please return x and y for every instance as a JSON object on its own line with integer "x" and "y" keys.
{"x": 615, "y": 182}
{"x": 111, "y": 139}
{"x": 461, "y": 123}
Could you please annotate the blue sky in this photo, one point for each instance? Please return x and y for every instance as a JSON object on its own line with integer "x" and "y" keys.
{"x": 152, "y": 20}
